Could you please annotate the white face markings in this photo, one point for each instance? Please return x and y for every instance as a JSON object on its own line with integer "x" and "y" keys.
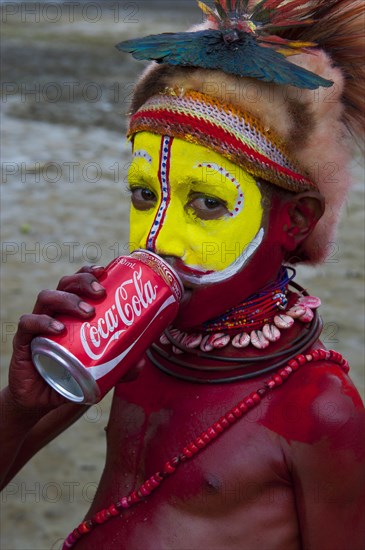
{"x": 141, "y": 153}
{"x": 232, "y": 269}
{"x": 164, "y": 179}
{"x": 185, "y": 182}
{"x": 240, "y": 199}
{"x": 238, "y": 264}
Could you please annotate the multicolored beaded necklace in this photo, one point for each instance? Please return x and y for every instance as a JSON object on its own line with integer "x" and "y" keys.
{"x": 258, "y": 320}
{"x": 202, "y": 441}
{"x": 257, "y": 310}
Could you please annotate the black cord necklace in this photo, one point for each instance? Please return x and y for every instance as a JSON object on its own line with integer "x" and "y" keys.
{"x": 234, "y": 368}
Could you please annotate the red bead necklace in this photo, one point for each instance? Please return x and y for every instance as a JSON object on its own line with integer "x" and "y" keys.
{"x": 200, "y": 442}
{"x": 257, "y": 309}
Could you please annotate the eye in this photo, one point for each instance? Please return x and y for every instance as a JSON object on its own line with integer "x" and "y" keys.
{"x": 143, "y": 198}
{"x": 207, "y": 208}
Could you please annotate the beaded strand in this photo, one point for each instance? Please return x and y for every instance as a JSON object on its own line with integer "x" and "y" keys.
{"x": 200, "y": 442}
{"x": 258, "y": 309}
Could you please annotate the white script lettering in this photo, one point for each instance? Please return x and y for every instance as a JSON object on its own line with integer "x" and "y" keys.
{"x": 131, "y": 298}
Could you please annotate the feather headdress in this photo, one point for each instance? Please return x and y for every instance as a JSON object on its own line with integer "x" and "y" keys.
{"x": 339, "y": 30}
{"x": 316, "y": 125}
{"x": 241, "y": 43}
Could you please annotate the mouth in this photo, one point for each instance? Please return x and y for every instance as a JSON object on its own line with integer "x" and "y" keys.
{"x": 178, "y": 266}
{"x": 189, "y": 275}
{"x": 188, "y": 291}
{"x": 191, "y": 271}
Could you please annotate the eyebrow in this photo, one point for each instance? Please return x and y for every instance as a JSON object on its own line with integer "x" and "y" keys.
{"x": 219, "y": 184}
{"x": 217, "y": 181}
{"x": 212, "y": 186}
{"x": 138, "y": 176}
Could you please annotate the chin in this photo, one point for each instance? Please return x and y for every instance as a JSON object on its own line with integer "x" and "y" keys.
{"x": 186, "y": 317}
{"x": 200, "y": 304}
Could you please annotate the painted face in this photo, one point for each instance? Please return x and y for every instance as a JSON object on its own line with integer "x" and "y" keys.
{"x": 205, "y": 216}
{"x": 193, "y": 206}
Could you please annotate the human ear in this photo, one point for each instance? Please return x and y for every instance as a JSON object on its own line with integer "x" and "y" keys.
{"x": 302, "y": 214}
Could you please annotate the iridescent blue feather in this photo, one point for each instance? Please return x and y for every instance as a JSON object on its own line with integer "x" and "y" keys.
{"x": 242, "y": 44}
{"x": 209, "y": 50}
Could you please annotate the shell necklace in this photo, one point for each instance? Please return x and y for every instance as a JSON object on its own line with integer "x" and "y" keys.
{"x": 258, "y": 321}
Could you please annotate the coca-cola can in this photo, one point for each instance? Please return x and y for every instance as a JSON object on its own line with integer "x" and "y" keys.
{"x": 142, "y": 298}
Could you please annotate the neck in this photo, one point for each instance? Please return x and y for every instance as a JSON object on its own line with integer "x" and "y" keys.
{"x": 238, "y": 353}
{"x": 257, "y": 310}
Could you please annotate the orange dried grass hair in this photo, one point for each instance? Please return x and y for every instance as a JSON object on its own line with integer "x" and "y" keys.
{"x": 339, "y": 30}
{"x": 337, "y": 27}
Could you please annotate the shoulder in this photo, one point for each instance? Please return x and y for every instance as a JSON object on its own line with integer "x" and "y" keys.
{"x": 336, "y": 410}
{"x": 318, "y": 401}
{"x": 324, "y": 452}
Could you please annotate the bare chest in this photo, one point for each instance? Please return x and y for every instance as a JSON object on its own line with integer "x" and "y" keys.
{"x": 240, "y": 474}
{"x": 154, "y": 424}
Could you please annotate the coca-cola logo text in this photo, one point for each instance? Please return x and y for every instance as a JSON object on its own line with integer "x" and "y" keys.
{"x": 131, "y": 298}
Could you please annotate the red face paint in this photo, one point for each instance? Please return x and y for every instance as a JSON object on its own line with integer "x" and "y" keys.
{"x": 211, "y": 300}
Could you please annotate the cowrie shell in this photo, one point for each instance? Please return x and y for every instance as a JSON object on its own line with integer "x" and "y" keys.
{"x": 283, "y": 321}
{"x": 205, "y": 345}
{"x": 192, "y": 340}
{"x": 309, "y": 301}
{"x": 258, "y": 339}
{"x": 307, "y": 316}
{"x": 295, "y": 312}
{"x": 271, "y": 332}
{"x": 220, "y": 340}
{"x": 179, "y": 337}
{"x": 241, "y": 340}
{"x": 163, "y": 339}
{"x": 175, "y": 333}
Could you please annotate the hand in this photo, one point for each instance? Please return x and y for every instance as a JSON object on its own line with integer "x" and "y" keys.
{"x": 28, "y": 389}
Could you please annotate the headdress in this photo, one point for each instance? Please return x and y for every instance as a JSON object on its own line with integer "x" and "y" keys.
{"x": 278, "y": 85}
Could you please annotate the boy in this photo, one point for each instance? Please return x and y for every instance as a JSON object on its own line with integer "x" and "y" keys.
{"x": 237, "y": 413}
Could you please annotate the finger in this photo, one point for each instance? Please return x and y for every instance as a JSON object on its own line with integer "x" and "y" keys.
{"x": 83, "y": 284}
{"x": 30, "y": 325}
{"x": 96, "y": 270}
{"x": 52, "y": 302}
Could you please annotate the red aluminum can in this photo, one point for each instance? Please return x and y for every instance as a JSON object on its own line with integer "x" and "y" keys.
{"x": 142, "y": 298}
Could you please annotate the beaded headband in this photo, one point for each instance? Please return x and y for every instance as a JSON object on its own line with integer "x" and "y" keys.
{"x": 237, "y": 136}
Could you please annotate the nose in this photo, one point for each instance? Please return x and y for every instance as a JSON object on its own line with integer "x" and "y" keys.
{"x": 168, "y": 238}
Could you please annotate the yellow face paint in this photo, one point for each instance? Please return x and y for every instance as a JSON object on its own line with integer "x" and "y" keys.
{"x": 190, "y": 203}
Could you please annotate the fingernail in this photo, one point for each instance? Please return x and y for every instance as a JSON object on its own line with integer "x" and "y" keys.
{"x": 56, "y": 325}
{"x": 86, "y": 308}
{"x": 96, "y": 286}
{"x": 95, "y": 267}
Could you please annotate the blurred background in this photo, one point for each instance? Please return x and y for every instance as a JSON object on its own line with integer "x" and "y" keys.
{"x": 65, "y": 93}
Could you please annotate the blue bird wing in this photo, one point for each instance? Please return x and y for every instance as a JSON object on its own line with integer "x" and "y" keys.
{"x": 262, "y": 63}
{"x": 210, "y": 50}
{"x": 182, "y": 48}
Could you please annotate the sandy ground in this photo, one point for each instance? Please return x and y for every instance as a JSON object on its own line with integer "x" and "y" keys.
{"x": 64, "y": 162}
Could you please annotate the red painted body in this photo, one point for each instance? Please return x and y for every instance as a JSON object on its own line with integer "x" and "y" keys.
{"x": 288, "y": 475}
{"x": 269, "y": 482}
{"x": 210, "y": 301}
